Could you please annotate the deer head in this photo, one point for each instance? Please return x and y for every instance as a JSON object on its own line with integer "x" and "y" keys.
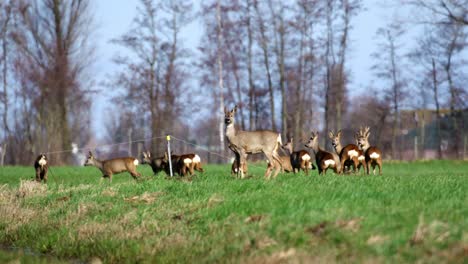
{"x": 313, "y": 141}
{"x": 229, "y": 116}
{"x": 362, "y": 138}
{"x": 146, "y": 157}
{"x": 335, "y": 138}
{"x": 289, "y": 145}
{"x": 90, "y": 160}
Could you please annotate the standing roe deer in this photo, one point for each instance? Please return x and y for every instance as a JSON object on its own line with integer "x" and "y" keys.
{"x": 324, "y": 159}
{"x": 349, "y": 155}
{"x": 114, "y": 166}
{"x": 41, "y": 165}
{"x": 300, "y": 160}
{"x": 372, "y": 154}
{"x": 251, "y": 142}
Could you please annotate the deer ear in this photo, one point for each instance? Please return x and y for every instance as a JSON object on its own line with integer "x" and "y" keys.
{"x": 226, "y": 110}
{"x": 90, "y": 153}
{"x": 235, "y": 109}
{"x": 330, "y": 134}
{"x": 339, "y": 133}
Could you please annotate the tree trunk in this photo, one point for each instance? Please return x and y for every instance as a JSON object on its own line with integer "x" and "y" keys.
{"x": 266, "y": 62}
{"x": 220, "y": 76}
{"x": 436, "y": 101}
{"x": 252, "y": 124}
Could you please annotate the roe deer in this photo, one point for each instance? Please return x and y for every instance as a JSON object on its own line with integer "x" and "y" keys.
{"x": 285, "y": 164}
{"x": 348, "y": 155}
{"x": 323, "y": 158}
{"x": 300, "y": 160}
{"x": 41, "y": 165}
{"x": 373, "y": 155}
{"x": 156, "y": 164}
{"x": 182, "y": 163}
{"x": 114, "y": 166}
{"x": 243, "y": 143}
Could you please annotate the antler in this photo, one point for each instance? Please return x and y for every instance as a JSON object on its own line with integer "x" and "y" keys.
{"x": 367, "y": 132}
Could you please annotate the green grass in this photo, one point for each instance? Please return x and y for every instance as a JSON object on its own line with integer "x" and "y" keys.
{"x": 415, "y": 211}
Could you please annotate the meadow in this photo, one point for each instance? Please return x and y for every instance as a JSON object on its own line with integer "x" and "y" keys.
{"x": 415, "y": 211}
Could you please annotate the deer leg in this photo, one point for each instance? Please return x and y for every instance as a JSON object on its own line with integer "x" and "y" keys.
{"x": 243, "y": 161}
{"x": 271, "y": 165}
{"x": 44, "y": 176}
{"x": 38, "y": 175}
{"x": 367, "y": 168}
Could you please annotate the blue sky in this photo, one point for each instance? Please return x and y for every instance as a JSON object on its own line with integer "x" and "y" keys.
{"x": 114, "y": 17}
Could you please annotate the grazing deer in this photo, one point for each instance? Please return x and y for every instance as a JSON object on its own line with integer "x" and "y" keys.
{"x": 156, "y": 164}
{"x": 323, "y": 158}
{"x": 285, "y": 164}
{"x": 349, "y": 155}
{"x": 180, "y": 164}
{"x": 114, "y": 166}
{"x": 41, "y": 165}
{"x": 251, "y": 142}
{"x": 300, "y": 160}
{"x": 373, "y": 155}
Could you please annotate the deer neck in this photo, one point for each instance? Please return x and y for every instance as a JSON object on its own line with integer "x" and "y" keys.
{"x": 315, "y": 147}
{"x": 98, "y": 164}
{"x": 230, "y": 132}
{"x": 366, "y": 146}
{"x": 338, "y": 148}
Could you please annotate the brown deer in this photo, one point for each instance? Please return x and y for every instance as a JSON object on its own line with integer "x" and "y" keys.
{"x": 157, "y": 164}
{"x": 285, "y": 164}
{"x": 324, "y": 159}
{"x": 373, "y": 155}
{"x": 41, "y": 165}
{"x": 300, "y": 160}
{"x": 251, "y": 142}
{"x": 180, "y": 164}
{"x": 114, "y": 166}
{"x": 183, "y": 163}
{"x": 348, "y": 155}
{"x": 361, "y": 156}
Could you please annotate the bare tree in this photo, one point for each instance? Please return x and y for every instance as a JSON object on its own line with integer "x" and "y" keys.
{"x": 388, "y": 66}
{"x": 54, "y": 52}
{"x": 5, "y": 27}
{"x": 263, "y": 39}
{"x": 152, "y": 75}
{"x": 441, "y": 11}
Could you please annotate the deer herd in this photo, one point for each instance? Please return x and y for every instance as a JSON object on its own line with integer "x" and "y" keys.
{"x": 243, "y": 143}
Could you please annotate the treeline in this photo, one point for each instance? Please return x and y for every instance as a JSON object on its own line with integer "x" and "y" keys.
{"x": 285, "y": 63}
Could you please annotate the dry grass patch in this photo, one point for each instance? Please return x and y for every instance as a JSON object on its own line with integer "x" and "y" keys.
{"x": 31, "y": 188}
{"x": 435, "y": 231}
{"x": 63, "y": 189}
{"x": 351, "y": 225}
{"x": 376, "y": 240}
{"x": 145, "y": 197}
{"x": 214, "y": 200}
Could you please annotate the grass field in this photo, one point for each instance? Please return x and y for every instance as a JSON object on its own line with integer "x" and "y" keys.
{"x": 414, "y": 212}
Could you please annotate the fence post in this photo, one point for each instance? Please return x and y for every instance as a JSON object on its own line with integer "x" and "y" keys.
{"x": 464, "y": 147}
{"x": 416, "y": 148}
{"x": 168, "y": 138}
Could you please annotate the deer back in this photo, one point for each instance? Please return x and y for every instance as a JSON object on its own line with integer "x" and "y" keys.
{"x": 373, "y": 153}
{"x": 120, "y": 164}
{"x": 256, "y": 141}
{"x": 351, "y": 151}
